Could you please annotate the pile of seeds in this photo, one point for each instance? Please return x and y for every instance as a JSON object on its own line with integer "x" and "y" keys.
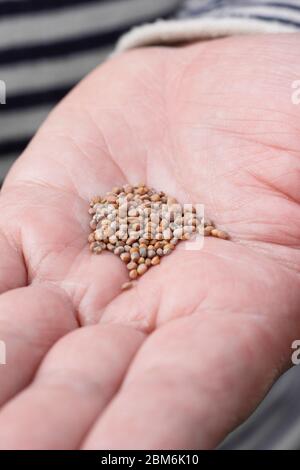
{"x": 141, "y": 226}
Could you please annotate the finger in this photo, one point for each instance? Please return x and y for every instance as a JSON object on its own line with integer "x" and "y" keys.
{"x": 73, "y": 385}
{"x": 31, "y": 320}
{"x": 193, "y": 381}
{"x": 12, "y": 269}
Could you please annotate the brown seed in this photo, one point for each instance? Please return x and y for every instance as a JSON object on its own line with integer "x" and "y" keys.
{"x": 148, "y": 262}
{"x": 171, "y": 201}
{"x": 151, "y": 253}
{"x": 127, "y": 188}
{"x": 223, "y": 235}
{"x": 93, "y": 245}
{"x": 143, "y": 251}
{"x": 141, "y": 261}
{"x": 119, "y": 250}
{"x": 219, "y": 234}
{"x": 135, "y": 256}
{"x": 167, "y": 249}
{"x": 155, "y": 197}
{"x": 133, "y": 274}
{"x": 113, "y": 239}
{"x": 155, "y": 260}
{"x": 125, "y": 257}
{"x": 98, "y": 235}
{"x": 91, "y": 238}
{"x": 142, "y": 268}
{"x": 159, "y": 252}
{"x": 131, "y": 265}
{"x": 127, "y": 285}
{"x": 207, "y": 230}
{"x": 116, "y": 190}
{"x": 95, "y": 200}
{"x": 111, "y": 198}
{"x": 141, "y": 190}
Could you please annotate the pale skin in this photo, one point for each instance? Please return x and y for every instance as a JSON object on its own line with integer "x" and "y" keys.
{"x": 185, "y": 356}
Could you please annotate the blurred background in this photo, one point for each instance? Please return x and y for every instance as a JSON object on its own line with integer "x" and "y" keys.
{"x": 46, "y": 47}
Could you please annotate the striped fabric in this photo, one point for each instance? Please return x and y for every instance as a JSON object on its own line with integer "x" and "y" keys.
{"x": 46, "y": 46}
{"x": 281, "y": 11}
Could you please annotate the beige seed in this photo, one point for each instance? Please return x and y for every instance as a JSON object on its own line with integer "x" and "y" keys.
{"x": 133, "y": 274}
{"x": 127, "y": 285}
{"x": 219, "y": 234}
{"x": 131, "y": 265}
{"x": 127, "y": 188}
{"x": 159, "y": 252}
{"x": 155, "y": 260}
{"x": 177, "y": 233}
{"x": 113, "y": 239}
{"x": 142, "y": 268}
{"x": 111, "y": 198}
{"x": 148, "y": 262}
{"x": 207, "y": 230}
{"x": 143, "y": 251}
{"x": 141, "y": 261}
{"x": 167, "y": 234}
{"x": 133, "y": 213}
{"x": 98, "y": 235}
{"x": 125, "y": 257}
{"x": 167, "y": 249}
{"x": 91, "y": 238}
{"x": 135, "y": 257}
{"x": 95, "y": 200}
{"x": 119, "y": 250}
{"x": 116, "y": 190}
{"x": 151, "y": 254}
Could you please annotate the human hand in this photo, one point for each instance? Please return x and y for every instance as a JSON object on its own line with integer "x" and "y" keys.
{"x": 184, "y": 357}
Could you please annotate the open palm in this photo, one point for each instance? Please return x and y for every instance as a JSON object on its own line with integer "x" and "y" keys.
{"x": 184, "y": 357}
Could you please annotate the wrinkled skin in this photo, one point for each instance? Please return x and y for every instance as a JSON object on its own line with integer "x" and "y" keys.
{"x": 185, "y": 356}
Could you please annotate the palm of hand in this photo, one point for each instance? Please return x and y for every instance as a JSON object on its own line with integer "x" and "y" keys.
{"x": 181, "y": 359}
